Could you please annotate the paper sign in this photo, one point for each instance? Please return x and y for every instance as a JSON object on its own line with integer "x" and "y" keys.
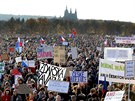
{"x": 23, "y": 89}
{"x": 129, "y": 69}
{"x": 78, "y": 76}
{"x": 114, "y": 96}
{"x": 18, "y": 59}
{"x": 74, "y": 52}
{"x": 58, "y": 86}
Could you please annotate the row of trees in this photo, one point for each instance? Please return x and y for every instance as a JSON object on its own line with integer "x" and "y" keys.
{"x": 43, "y": 25}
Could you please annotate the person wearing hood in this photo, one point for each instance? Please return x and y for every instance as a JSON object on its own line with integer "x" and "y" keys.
{"x": 6, "y": 96}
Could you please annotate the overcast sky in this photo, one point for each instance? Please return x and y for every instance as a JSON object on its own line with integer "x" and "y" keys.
{"x": 122, "y": 10}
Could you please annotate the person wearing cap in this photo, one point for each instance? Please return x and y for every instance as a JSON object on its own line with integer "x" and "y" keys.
{"x": 51, "y": 96}
{"x": 15, "y": 96}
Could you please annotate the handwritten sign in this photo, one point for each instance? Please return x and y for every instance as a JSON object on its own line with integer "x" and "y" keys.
{"x": 50, "y": 72}
{"x": 78, "y": 76}
{"x": 58, "y": 86}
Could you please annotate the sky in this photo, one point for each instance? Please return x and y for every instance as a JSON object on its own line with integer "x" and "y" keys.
{"x": 118, "y": 10}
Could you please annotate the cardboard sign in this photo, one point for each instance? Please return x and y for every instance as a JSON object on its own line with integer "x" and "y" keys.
{"x": 59, "y": 54}
{"x": 50, "y": 72}
{"x": 78, "y": 76}
{"x": 23, "y": 89}
{"x": 58, "y": 86}
{"x": 5, "y": 56}
{"x": 114, "y": 96}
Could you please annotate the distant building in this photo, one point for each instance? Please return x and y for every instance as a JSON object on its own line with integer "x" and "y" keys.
{"x": 69, "y": 15}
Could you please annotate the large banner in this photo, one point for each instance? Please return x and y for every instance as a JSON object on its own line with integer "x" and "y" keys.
{"x": 113, "y": 71}
{"x": 118, "y": 54}
{"x": 114, "y": 96}
{"x": 50, "y": 72}
{"x": 125, "y": 40}
{"x": 58, "y": 86}
{"x": 78, "y": 76}
{"x": 59, "y": 54}
{"x": 44, "y": 52}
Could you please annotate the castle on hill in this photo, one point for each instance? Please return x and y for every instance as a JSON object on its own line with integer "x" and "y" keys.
{"x": 69, "y": 15}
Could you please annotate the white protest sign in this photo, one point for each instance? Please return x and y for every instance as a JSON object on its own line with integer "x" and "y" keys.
{"x": 74, "y": 52}
{"x": 78, "y": 76}
{"x": 18, "y": 59}
{"x": 113, "y": 71}
{"x": 58, "y": 86}
{"x": 50, "y": 72}
{"x": 114, "y": 96}
{"x": 65, "y": 43}
{"x": 125, "y": 40}
{"x": 129, "y": 69}
{"x": 118, "y": 54}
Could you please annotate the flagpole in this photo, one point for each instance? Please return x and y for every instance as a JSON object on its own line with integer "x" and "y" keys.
{"x": 129, "y": 91}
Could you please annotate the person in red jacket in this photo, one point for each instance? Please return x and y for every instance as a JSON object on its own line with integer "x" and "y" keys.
{"x": 6, "y": 96}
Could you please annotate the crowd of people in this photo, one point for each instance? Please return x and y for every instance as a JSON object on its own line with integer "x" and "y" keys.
{"x": 88, "y": 60}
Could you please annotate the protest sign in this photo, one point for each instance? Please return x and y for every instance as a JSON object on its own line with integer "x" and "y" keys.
{"x": 18, "y": 59}
{"x": 125, "y": 40}
{"x": 65, "y": 43}
{"x": 74, "y": 52}
{"x": 2, "y": 66}
{"x": 50, "y": 72}
{"x": 5, "y": 56}
{"x": 44, "y": 52}
{"x": 78, "y": 76}
{"x": 59, "y": 54}
{"x": 114, "y": 96}
{"x": 58, "y": 86}
{"x": 118, "y": 54}
{"x": 23, "y": 89}
{"x": 129, "y": 69}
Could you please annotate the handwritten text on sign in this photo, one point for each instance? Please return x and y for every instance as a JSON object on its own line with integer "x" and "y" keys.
{"x": 78, "y": 76}
{"x": 50, "y": 72}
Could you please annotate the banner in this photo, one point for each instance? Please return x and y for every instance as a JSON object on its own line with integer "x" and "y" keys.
{"x": 50, "y": 72}
{"x": 74, "y": 52}
{"x": 59, "y": 54}
{"x": 58, "y": 86}
{"x": 114, "y": 96}
{"x": 125, "y": 40}
{"x": 118, "y": 54}
{"x": 129, "y": 69}
{"x": 45, "y": 52}
{"x": 78, "y": 76}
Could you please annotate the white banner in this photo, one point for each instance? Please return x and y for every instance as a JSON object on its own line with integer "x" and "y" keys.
{"x": 114, "y": 96}
{"x": 118, "y": 54}
{"x": 78, "y": 76}
{"x": 50, "y": 72}
{"x": 58, "y": 86}
{"x": 113, "y": 71}
{"x": 129, "y": 69}
{"x": 74, "y": 52}
{"x": 125, "y": 40}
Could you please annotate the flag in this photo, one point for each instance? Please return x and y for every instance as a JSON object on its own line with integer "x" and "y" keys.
{"x": 42, "y": 41}
{"x": 62, "y": 39}
{"x": 104, "y": 86}
{"x": 71, "y": 36}
{"x": 18, "y": 45}
{"x": 25, "y": 64}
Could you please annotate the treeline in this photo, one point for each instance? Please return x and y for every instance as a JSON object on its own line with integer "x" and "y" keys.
{"x": 44, "y": 26}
